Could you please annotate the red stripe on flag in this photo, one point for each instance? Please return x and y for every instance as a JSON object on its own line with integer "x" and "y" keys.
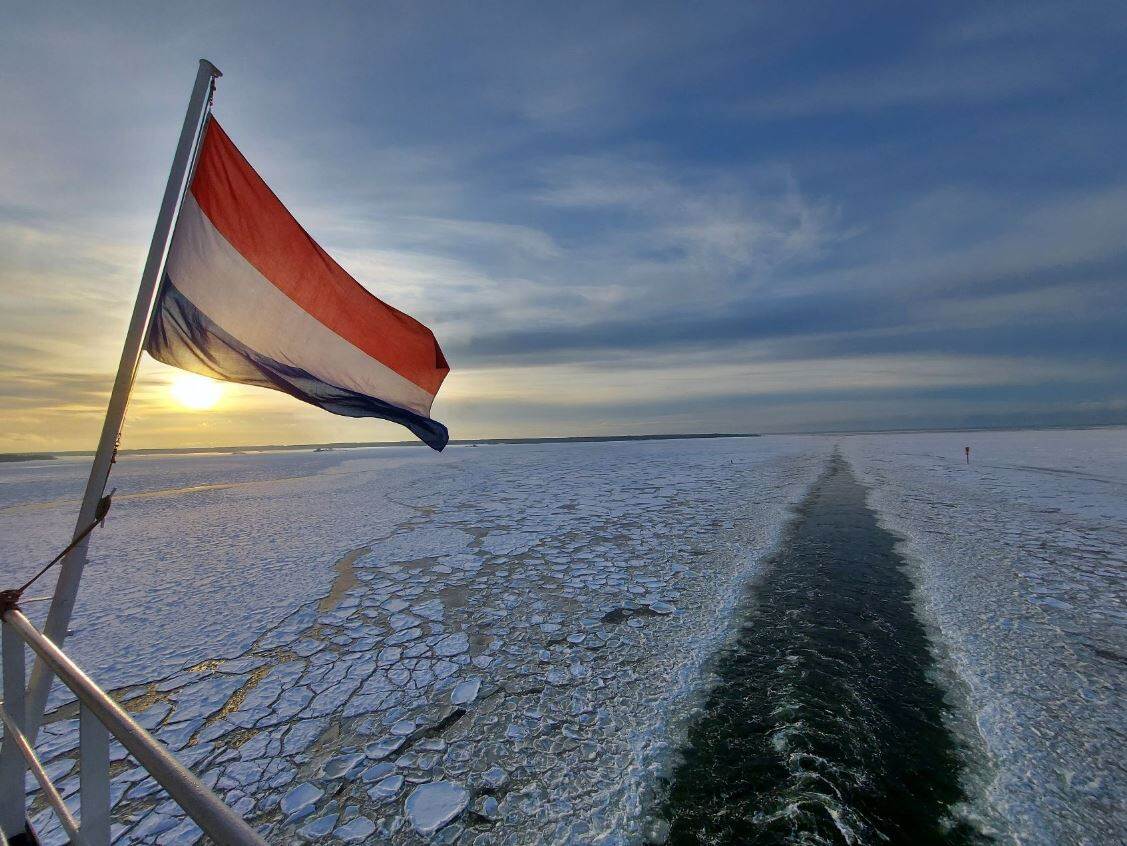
{"x": 248, "y": 214}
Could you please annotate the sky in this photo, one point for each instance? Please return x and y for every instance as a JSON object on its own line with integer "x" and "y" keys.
{"x": 617, "y": 217}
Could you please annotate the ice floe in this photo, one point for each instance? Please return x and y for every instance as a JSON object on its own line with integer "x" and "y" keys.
{"x": 431, "y": 806}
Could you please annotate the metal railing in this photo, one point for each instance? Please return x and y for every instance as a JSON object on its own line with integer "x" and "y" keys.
{"x": 99, "y": 717}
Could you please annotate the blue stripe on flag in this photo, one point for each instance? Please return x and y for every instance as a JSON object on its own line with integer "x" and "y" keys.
{"x": 185, "y": 337}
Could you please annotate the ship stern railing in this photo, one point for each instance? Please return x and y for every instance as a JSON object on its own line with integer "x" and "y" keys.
{"x": 100, "y": 717}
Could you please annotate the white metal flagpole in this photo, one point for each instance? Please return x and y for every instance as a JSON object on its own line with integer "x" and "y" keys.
{"x": 66, "y": 589}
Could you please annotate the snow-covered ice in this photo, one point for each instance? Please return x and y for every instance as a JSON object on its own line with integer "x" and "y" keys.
{"x": 1021, "y": 567}
{"x": 491, "y": 645}
{"x": 501, "y": 644}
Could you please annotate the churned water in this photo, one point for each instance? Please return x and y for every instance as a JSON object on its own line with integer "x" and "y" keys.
{"x": 826, "y": 725}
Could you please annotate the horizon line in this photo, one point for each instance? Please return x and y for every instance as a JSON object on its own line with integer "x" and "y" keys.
{"x": 32, "y": 455}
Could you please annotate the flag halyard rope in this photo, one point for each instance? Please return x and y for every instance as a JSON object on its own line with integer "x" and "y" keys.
{"x": 9, "y": 598}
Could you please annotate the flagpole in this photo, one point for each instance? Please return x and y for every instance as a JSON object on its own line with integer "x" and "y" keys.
{"x": 66, "y": 589}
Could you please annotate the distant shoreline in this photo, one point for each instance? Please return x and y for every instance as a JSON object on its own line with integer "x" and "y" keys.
{"x": 327, "y": 447}
{"x": 8, "y": 457}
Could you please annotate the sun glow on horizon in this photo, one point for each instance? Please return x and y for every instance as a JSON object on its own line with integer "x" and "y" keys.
{"x": 195, "y": 392}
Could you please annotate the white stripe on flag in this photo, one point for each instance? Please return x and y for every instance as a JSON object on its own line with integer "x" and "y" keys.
{"x": 227, "y": 288}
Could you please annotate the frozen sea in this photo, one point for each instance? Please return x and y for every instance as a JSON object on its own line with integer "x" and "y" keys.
{"x": 503, "y": 644}
{"x": 1021, "y": 566}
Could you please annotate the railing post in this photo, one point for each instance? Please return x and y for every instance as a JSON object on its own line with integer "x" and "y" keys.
{"x": 220, "y": 823}
{"x": 13, "y": 819}
{"x": 94, "y": 778}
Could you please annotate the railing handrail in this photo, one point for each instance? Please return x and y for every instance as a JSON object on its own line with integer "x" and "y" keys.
{"x": 208, "y": 811}
{"x": 70, "y": 825}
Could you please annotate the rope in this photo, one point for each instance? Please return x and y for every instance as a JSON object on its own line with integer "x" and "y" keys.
{"x": 8, "y": 598}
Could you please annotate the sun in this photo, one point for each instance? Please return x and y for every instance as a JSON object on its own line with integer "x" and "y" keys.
{"x": 196, "y": 392}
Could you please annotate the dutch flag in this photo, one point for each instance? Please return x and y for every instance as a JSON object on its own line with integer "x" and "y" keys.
{"x": 248, "y": 296}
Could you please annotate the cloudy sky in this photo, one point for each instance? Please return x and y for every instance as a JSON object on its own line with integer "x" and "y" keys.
{"x": 637, "y": 217}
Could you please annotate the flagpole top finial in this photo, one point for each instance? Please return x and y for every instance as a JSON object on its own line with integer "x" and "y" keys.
{"x": 215, "y": 72}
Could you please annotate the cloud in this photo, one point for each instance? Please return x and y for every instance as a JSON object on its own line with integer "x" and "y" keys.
{"x": 942, "y": 81}
{"x": 643, "y": 380}
{"x": 614, "y": 217}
